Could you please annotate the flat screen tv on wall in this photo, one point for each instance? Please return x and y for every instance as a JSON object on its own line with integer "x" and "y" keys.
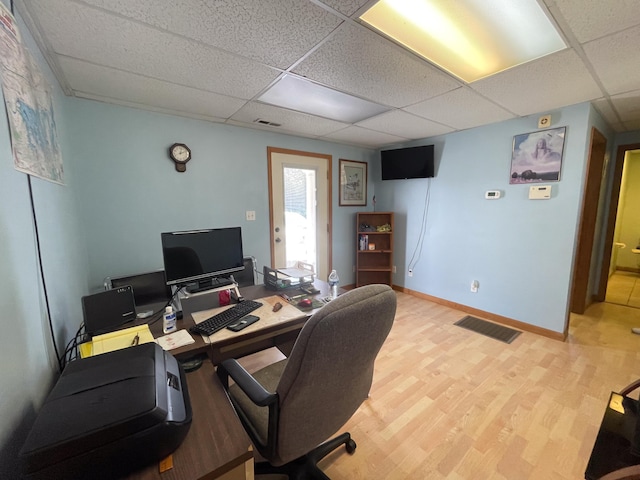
{"x": 403, "y": 163}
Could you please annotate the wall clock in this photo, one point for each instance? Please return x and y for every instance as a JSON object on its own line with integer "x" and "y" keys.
{"x": 180, "y": 154}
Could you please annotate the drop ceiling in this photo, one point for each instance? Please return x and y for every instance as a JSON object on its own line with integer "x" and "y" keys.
{"x": 213, "y": 59}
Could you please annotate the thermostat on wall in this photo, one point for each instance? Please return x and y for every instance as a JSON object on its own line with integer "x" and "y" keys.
{"x": 540, "y": 192}
{"x": 492, "y": 194}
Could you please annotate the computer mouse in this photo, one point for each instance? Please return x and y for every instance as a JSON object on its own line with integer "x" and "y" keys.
{"x": 305, "y": 303}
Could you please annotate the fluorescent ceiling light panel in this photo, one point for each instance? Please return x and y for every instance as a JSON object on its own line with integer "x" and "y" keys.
{"x": 301, "y": 95}
{"x": 470, "y": 39}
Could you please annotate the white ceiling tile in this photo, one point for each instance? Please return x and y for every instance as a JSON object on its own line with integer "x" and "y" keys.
{"x": 548, "y": 83}
{"x": 290, "y": 121}
{"x": 606, "y": 110}
{"x": 362, "y": 136}
{"x": 403, "y": 124}
{"x": 591, "y": 19}
{"x": 616, "y": 60}
{"x": 627, "y": 105}
{"x": 206, "y": 58}
{"x": 275, "y": 32}
{"x": 361, "y": 62}
{"x": 632, "y": 125}
{"x": 461, "y": 108}
{"x": 148, "y": 51}
{"x": 96, "y": 81}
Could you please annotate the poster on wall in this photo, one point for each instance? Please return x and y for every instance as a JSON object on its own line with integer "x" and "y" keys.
{"x": 29, "y": 106}
{"x": 537, "y": 156}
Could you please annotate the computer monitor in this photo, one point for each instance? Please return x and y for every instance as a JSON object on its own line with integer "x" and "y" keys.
{"x": 199, "y": 256}
{"x": 148, "y": 287}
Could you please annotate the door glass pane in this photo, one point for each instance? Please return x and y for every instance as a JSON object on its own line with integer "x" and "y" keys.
{"x": 300, "y": 215}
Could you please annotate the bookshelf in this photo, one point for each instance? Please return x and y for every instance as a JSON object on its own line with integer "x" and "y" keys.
{"x": 374, "y": 248}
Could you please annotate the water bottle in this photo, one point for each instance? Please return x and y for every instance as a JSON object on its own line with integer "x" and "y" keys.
{"x": 333, "y": 284}
{"x": 169, "y": 320}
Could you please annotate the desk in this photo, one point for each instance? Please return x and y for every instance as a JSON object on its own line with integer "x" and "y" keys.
{"x": 257, "y": 337}
{"x": 243, "y": 343}
{"x": 216, "y": 445}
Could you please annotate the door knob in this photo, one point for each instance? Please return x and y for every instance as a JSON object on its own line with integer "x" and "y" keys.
{"x": 277, "y": 229}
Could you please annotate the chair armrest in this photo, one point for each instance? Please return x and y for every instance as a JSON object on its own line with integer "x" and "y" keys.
{"x": 249, "y": 385}
{"x": 630, "y": 388}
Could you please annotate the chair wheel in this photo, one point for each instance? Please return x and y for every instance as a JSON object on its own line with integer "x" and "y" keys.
{"x": 350, "y": 446}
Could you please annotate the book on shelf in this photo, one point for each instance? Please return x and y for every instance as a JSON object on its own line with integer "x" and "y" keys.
{"x": 364, "y": 242}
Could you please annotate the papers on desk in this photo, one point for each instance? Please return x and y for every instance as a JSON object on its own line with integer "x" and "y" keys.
{"x": 175, "y": 340}
{"x": 116, "y": 340}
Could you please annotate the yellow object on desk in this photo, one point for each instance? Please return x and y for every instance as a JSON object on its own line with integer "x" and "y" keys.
{"x": 117, "y": 340}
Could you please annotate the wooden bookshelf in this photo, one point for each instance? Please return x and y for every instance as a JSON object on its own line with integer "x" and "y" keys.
{"x": 374, "y": 248}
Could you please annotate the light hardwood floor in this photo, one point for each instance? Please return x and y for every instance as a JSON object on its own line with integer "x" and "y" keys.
{"x": 448, "y": 403}
{"x": 624, "y": 288}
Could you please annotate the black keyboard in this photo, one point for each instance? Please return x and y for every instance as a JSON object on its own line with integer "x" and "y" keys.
{"x": 219, "y": 321}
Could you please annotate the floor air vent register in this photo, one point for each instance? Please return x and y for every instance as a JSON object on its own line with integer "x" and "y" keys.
{"x": 489, "y": 329}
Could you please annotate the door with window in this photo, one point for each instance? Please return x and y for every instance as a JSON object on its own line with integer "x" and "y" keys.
{"x": 300, "y": 209}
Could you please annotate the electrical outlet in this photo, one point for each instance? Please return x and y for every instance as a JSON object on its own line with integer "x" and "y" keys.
{"x": 394, "y": 269}
{"x": 251, "y": 215}
{"x": 474, "y": 286}
{"x": 410, "y": 272}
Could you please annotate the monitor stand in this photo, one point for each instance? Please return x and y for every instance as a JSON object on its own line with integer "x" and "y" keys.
{"x": 209, "y": 284}
{"x": 206, "y": 299}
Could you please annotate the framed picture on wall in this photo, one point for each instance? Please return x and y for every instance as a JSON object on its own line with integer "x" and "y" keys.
{"x": 353, "y": 183}
{"x": 537, "y": 156}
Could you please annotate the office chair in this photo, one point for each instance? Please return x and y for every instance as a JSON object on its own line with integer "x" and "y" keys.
{"x": 246, "y": 277}
{"x": 290, "y": 407}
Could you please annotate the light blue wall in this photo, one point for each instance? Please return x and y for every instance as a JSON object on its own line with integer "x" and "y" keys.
{"x": 26, "y": 351}
{"x": 129, "y": 191}
{"x": 520, "y": 250}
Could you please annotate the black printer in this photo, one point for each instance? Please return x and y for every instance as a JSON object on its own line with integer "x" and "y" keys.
{"x": 109, "y": 415}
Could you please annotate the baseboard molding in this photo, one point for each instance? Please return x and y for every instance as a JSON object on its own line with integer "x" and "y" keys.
{"x": 526, "y": 327}
{"x": 628, "y": 269}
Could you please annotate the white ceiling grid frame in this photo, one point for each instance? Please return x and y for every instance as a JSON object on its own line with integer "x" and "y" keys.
{"x": 254, "y": 40}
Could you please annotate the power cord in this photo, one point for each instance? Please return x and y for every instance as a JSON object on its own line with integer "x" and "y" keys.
{"x": 423, "y": 227}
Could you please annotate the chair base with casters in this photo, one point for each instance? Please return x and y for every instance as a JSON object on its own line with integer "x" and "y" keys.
{"x": 306, "y": 467}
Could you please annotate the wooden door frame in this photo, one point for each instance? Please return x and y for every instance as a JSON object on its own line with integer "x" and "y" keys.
{"x": 286, "y": 151}
{"x": 587, "y": 228}
{"x": 614, "y": 199}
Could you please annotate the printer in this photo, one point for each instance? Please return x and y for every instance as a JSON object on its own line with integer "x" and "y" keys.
{"x": 109, "y": 415}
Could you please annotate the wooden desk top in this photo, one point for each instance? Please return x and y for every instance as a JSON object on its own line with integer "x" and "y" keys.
{"x": 216, "y": 442}
{"x": 254, "y": 292}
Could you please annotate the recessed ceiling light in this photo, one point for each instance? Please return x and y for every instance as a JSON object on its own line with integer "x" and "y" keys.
{"x": 470, "y": 39}
{"x": 298, "y": 94}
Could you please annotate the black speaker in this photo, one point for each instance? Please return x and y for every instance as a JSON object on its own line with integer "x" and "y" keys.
{"x": 108, "y": 310}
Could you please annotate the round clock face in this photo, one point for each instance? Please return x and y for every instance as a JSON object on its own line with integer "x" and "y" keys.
{"x": 180, "y": 152}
